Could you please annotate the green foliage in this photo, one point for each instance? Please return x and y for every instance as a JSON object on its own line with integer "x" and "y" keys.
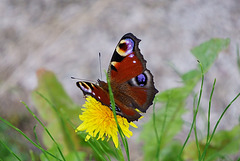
{"x": 167, "y": 121}
{"x": 59, "y": 118}
{"x": 224, "y": 143}
{"x": 61, "y": 115}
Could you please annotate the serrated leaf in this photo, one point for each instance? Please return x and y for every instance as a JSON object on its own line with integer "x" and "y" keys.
{"x": 207, "y": 52}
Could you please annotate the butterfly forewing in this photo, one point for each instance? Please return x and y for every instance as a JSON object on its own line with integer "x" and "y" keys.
{"x": 126, "y": 62}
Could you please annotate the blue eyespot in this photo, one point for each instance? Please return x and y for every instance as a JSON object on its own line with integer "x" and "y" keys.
{"x": 141, "y": 79}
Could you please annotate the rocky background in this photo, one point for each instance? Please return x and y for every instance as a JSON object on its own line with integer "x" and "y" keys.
{"x": 65, "y": 36}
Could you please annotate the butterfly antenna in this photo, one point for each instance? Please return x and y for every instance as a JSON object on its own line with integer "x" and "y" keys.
{"x": 85, "y": 80}
{"x": 75, "y": 78}
{"x": 100, "y": 64}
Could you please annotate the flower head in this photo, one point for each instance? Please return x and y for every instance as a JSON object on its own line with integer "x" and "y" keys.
{"x": 98, "y": 121}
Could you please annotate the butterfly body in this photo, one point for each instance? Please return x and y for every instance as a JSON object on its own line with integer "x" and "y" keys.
{"x": 131, "y": 82}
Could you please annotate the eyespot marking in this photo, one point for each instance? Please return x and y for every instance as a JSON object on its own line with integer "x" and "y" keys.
{"x": 125, "y": 47}
{"x": 141, "y": 79}
{"x": 113, "y": 64}
{"x": 86, "y": 87}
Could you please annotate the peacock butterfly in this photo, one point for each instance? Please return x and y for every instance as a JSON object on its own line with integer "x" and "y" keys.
{"x": 132, "y": 83}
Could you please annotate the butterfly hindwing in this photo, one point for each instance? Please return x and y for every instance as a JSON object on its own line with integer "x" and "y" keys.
{"x": 141, "y": 89}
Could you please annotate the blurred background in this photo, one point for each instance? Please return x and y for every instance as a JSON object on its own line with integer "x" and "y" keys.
{"x": 65, "y": 36}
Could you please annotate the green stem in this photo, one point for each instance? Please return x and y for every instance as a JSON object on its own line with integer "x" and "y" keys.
{"x": 195, "y": 129}
{"x": 36, "y": 137}
{"x": 124, "y": 140}
{"x": 15, "y": 155}
{"x": 195, "y": 115}
{"x": 209, "y": 110}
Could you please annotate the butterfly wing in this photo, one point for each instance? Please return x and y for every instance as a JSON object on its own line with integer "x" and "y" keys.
{"x": 131, "y": 81}
{"x": 95, "y": 91}
{"x": 100, "y": 92}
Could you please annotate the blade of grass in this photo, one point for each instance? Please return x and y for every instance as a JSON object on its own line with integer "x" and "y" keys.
{"x": 36, "y": 137}
{"x": 124, "y": 140}
{"x": 209, "y": 110}
{"x": 214, "y": 130}
{"x": 119, "y": 151}
{"x": 195, "y": 115}
{"x": 116, "y": 154}
{"x": 24, "y": 135}
{"x": 15, "y": 155}
{"x": 102, "y": 149}
{"x": 45, "y": 128}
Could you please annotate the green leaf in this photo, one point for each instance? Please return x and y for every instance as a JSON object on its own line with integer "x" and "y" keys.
{"x": 58, "y": 112}
{"x": 207, "y": 52}
{"x": 191, "y": 78}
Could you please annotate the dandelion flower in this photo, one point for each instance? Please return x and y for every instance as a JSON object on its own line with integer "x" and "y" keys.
{"x": 98, "y": 121}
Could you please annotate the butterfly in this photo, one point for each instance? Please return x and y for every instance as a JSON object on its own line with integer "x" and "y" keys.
{"x": 131, "y": 82}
